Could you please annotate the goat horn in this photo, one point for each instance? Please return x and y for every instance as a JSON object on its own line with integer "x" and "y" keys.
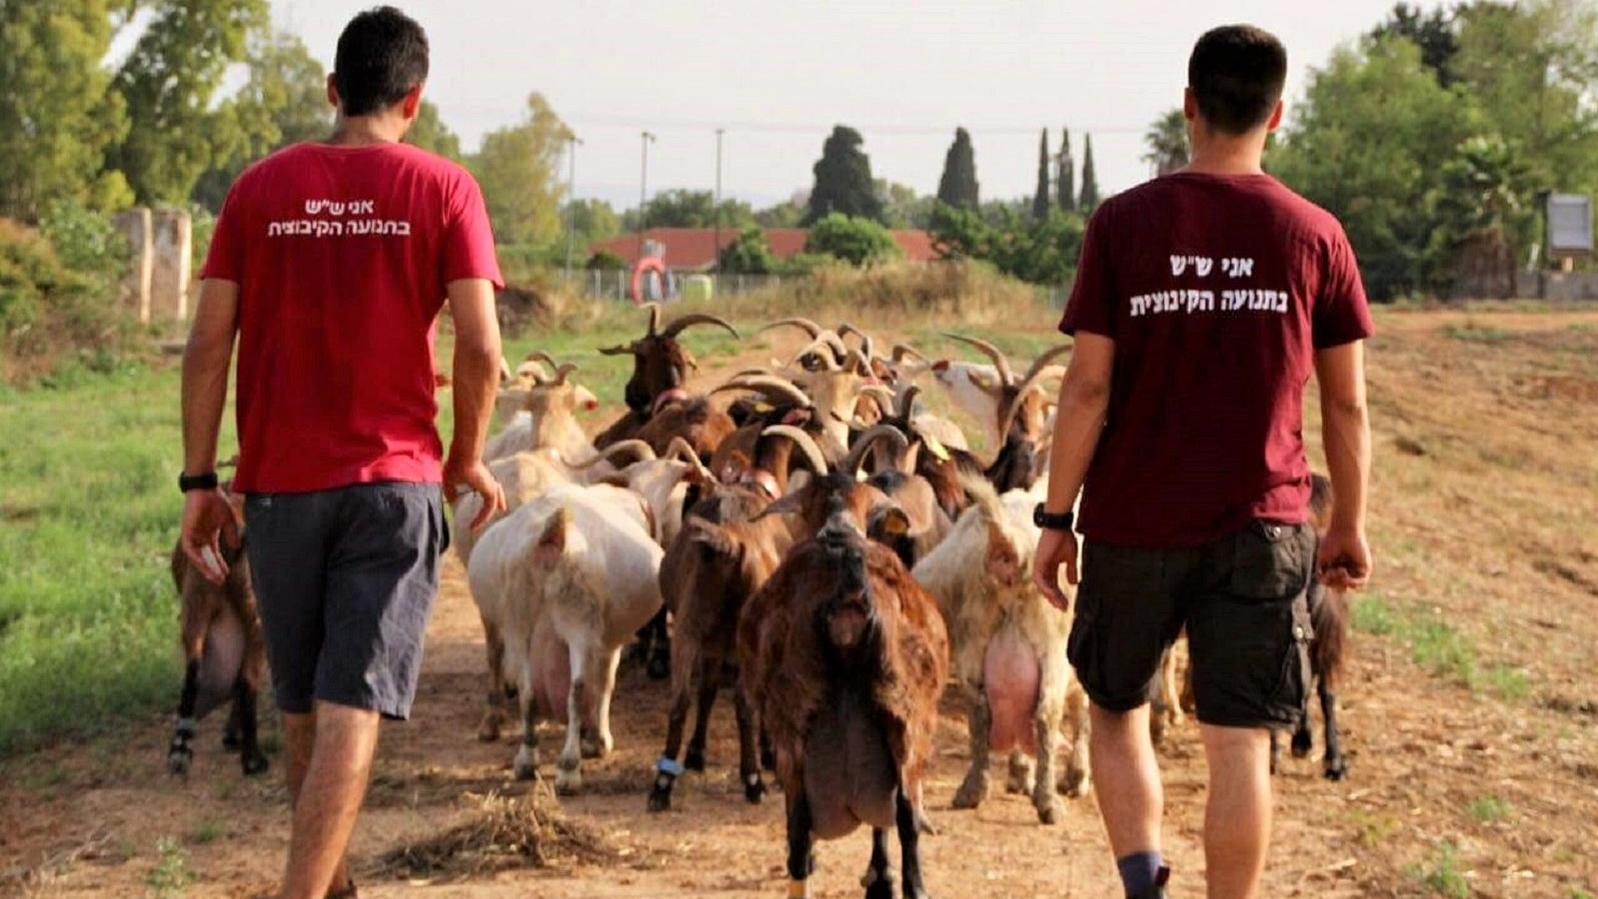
{"x": 680, "y": 450}
{"x": 862, "y": 445}
{"x": 618, "y": 350}
{"x": 698, "y": 318}
{"x": 902, "y": 350}
{"x": 868, "y": 347}
{"x": 881, "y": 394}
{"x": 804, "y": 324}
{"x": 654, "y": 319}
{"x": 906, "y": 402}
{"x": 805, "y": 443}
{"x": 820, "y": 347}
{"x": 858, "y": 363}
{"x": 1040, "y": 369}
{"x": 505, "y": 375}
{"x": 1000, "y": 363}
{"x": 541, "y": 356}
{"x": 644, "y": 451}
{"x": 772, "y": 388}
{"x": 564, "y": 371}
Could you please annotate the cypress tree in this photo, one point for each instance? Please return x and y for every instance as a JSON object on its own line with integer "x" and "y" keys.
{"x": 1090, "y": 178}
{"x": 843, "y": 179}
{"x": 1065, "y": 174}
{"x": 1040, "y": 199}
{"x": 958, "y": 186}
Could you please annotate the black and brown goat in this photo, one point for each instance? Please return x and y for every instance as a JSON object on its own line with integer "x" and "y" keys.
{"x": 224, "y": 657}
{"x": 660, "y": 369}
{"x": 723, "y": 554}
{"x": 845, "y": 656}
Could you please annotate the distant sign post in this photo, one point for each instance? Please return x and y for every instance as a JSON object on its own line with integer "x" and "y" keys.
{"x": 1569, "y": 231}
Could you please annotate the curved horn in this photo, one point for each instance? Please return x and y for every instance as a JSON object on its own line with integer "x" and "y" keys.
{"x": 644, "y": 451}
{"x": 803, "y": 324}
{"x": 905, "y": 403}
{"x": 822, "y": 348}
{"x": 1000, "y": 363}
{"x": 541, "y": 356}
{"x": 805, "y": 443}
{"x": 680, "y": 450}
{"x": 618, "y": 350}
{"x": 775, "y": 389}
{"x": 1039, "y": 370}
{"x": 868, "y": 347}
{"x": 902, "y": 350}
{"x": 881, "y": 394}
{"x": 563, "y": 372}
{"x": 698, "y": 318}
{"x": 862, "y": 445}
{"x": 654, "y": 319}
{"x": 858, "y": 363}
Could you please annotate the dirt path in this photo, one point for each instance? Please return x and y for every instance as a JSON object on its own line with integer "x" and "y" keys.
{"x": 1454, "y": 789}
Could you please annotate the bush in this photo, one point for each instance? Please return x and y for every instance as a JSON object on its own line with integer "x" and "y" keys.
{"x": 858, "y": 241}
{"x": 86, "y": 242}
{"x": 54, "y": 317}
{"x": 1040, "y": 252}
{"x": 749, "y": 254}
{"x": 605, "y": 261}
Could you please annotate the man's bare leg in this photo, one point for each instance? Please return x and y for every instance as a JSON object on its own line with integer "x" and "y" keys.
{"x": 1237, "y": 818}
{"x": 1126, "y": 779}
{"x": 331, "y": 787}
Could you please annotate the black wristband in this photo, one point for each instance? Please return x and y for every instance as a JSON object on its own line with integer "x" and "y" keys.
{"x": 1050, "y": 521}
{"x": 206, "y": 481}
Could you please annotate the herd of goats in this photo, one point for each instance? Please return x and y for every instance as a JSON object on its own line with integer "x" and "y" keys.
{"x": 819, "y": 546}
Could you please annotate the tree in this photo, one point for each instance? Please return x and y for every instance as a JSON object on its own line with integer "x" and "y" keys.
{"x": 431, "y": 134}
{"x": 1167, "y": 143}
{"x": 168, "y": 83}
{"x": 854, "y": 239}
{"x": 1041, "y": 200}
{"x": 748, "y": 254}
{"x": 591, "y": 221}
{"x": 1368, "y": 142}
{"x": 283, "y": 101}
{"x": 57, "y": 115}
{"x": 1039, "y": 251}
{"x": 1065, "y": 174}
{"x": 1484, "y": 213}
{"x": 1434, "y": 33}
{"x": 958, "y": 185}
{"x": 517, "y": 170}
{"x": 689, "y": 209}
{"x": 1090, "y": 179}
{"x": 843, "y": 180}
{"x": 902, "y": 207}
{"x": 787, "y": 214}
{"x": 605, "y": 261}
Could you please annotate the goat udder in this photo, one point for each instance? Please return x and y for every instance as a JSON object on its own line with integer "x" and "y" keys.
{"x": 221, "y": 661}
{"x": 1011, "y": 678}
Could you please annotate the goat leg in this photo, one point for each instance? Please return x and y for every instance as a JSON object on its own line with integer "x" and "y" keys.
{"x": 231, "y": 738}
{"x": 979, "y": 723}
{"x": 494, "y": 715}
{"x": 597, "y": 738}
{"x": 801, "y": 855}
{"x": 878, "y": 880}
{"x": 1043, "y": 798}
{"x": 768, "y": 755}
{"x": 1020, "y": 775}
{"x": 748, "y": 764}
{"x": 657, "y": 651}
{"x": 667, "y": 770}
{"x": 909, "y": 846}
{"x": 526, "y": 764}
{"x": 1335, "y": 767}
{"x": 179, "y": 754}
{"x": 1077, "y": 779}
{"x": 251, "y": 758}
{"x": 1276, "y": 749}
{"x": 1303, "y": 740}
{"x": 568, "y": 767}
{"x": 709, "y": 685}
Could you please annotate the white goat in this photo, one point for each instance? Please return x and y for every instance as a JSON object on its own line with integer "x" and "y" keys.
{"x": 548, "y": 419}
{"x": 1008, "y": 647}
{"x": 565, "y": 581}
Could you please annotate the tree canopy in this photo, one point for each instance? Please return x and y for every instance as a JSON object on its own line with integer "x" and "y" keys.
{"x": 957, "y": 186}
{"x": 1065, "y": 174}
{"x": 1166, "y": 140}
{"x": 843, "y": 180}
{"x": 855, "y": 240}
{"x": 1089, "y": 200}
{"x": 517, "y": 170}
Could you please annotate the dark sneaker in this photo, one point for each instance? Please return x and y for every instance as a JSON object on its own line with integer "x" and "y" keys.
{"x": 1158, "y": 890}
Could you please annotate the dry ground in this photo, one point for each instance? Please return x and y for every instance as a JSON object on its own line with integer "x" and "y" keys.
{"x": 1471, "y": 712}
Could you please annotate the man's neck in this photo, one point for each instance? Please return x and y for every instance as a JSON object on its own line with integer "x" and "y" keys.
{"x": 356, "y": 131}
{"x": 1227, "y": 154}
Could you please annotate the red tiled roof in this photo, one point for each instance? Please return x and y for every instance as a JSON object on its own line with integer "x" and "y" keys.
{"x": 696, "y": 248}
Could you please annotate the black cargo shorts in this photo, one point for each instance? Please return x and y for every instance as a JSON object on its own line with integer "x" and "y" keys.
{"x": 345, "y": 581}
{"x": 1241, "y": 599}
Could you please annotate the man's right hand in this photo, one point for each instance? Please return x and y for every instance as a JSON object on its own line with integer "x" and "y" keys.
{"x": 1055, "y": 548}
{"x": 1344, "y": 560}
{"x": 474, "y": 477}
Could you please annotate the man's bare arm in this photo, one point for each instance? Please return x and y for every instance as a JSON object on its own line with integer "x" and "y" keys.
{"x": 1345, "y": 430}
{"x": 206, "y": 360}
{"x": 475, "y": 383}
{"x": 1084, "y": 395}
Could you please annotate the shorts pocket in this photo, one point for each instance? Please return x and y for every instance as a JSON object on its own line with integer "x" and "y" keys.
{"x": 1291, "y": 696}
{"x": 1271, "y": 560}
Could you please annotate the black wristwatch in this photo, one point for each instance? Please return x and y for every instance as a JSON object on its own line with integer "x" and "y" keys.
{"x": 1050, "y": 521}
{"x": 205, "y": 481}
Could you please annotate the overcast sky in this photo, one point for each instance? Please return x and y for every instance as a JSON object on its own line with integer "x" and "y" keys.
{"x": 777, "y": 76}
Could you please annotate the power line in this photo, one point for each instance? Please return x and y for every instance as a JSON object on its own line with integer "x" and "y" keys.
{"x": 748, "y": 126}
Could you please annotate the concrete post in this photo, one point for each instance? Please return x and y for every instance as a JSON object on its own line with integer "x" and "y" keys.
{"x": 135, "y": 225}
{"x": 169, "y": 288}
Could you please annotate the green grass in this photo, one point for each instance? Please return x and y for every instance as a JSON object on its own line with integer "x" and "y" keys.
{"x": 1488, "y": 809}
{"x": 1438, "y": 647}
{"x": 1471, "y": 332}
{"x": 203, "y": 833}
{"x": 171, "y": 875}
{"x": 1442, "y": 875}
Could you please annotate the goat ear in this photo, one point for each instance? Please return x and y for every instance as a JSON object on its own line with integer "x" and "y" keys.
{"x": 552, "y": 542}
{"x": 981, "y": 380}
{"x": 791, "y": 504}
{"x": 618, "y": 350}
{"x": 586, "y": 399}
{"x": 888, "y": 521}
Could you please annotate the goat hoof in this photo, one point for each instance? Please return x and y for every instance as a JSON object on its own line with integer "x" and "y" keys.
{"x": 880, "y": 886}
{"x": 526, "y": 765}
{"x": 255, "y": 763}
{"x": 591, "y": 748}
{"x": 768, "y": 760}
{"x": 178, "y": 759}
{"x": 1336, "y": 771}
{"x": 1075, "y": 785}
{"x": 568, "y": 783}
{"x": 660, "y": 797}
{"x": 488, "y": 731}
{"x": 231, "y": 741}
{"x": 1049, "y": 811}
{"x": 1302, "y": 744}
{"x": 694, "y": 760}
{"x": 970, "y": 794}
{"x": 754, "y": 789}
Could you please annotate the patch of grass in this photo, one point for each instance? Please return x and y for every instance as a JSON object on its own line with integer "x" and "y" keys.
{"x": 1507, "y": 682}
{"x": 1438, "y": 647}
{"x": 1488, "y": 809}
{"x": 171, "y": 875}
{"x": 1579, "y": 893}
{"x": 1442, "y": 875}
{"x": 1471, "y": 332}
{"x": 203, "y": 833}
{"x": 1374, "y": 829}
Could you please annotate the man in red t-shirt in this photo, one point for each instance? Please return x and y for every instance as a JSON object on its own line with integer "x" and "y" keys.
{"x": 331, "y": 262}
{"x": 1203, "y": 302}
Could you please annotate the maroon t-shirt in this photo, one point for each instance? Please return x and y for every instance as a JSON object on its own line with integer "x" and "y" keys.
{"x": 1217, "y": 291}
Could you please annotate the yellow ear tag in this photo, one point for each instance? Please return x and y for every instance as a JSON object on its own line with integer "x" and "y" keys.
{"x": 936, "y": 448}
{"x": 762, "y": 408}
{"x": 897, "y": 526}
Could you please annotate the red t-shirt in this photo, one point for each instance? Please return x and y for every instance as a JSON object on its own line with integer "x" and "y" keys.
{"x": 1217, "y": 292}
{"x": 342, "y": 255}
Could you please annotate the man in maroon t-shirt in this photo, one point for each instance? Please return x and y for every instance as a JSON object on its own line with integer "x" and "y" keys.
{"x": 331, "y": 262}
{"x": 1203, "y": 302}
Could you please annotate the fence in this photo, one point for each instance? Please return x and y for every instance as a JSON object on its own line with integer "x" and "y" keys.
{"x": 617, "y": 285}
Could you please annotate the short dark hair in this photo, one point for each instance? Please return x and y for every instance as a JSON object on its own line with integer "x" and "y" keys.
{"x": 1236, "y": 74}
{"x": 382, "y": 56}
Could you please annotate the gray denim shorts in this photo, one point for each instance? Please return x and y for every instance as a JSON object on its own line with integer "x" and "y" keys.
{"x": 345, "y": 580}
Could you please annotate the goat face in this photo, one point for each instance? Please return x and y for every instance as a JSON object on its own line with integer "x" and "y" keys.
{"x": 848, "y": 619}
{"x": 660, "y": 365}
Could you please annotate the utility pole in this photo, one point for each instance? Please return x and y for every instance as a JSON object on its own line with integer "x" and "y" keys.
{"x": 572, "y": 141}
{"x": 643, "y": 192}
{"x": 716, "y": 263}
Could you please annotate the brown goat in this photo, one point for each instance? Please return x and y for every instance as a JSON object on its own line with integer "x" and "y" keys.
{"x": 845, "y": 656}
{"x": 720, "y": 558}
{"x": 224, "y": 656}
{"x": 660, "y": 368}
